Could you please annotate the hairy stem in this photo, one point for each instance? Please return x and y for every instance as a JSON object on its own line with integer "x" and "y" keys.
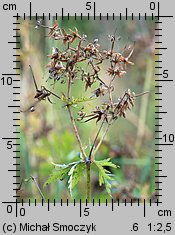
{"x": 88, "y": 173}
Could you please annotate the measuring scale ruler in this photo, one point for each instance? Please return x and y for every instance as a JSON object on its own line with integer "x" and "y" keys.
{"x": 126, "y": 215}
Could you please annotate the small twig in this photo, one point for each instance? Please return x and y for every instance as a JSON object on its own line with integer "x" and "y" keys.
{"x": 97, "y": 73}
{"x": 101, "y": 140}
{"x": 96, "y": 137}
{"x": 140, "y": 94}
{"x": 53, "y": 94}
{"x": 37, "y": 186}
{"x": 19, "y": 188}
{"x": 110, "y": 91}
{"x": 34, "y": 80}
{"x": 69, "y": 88}
{"x": 108, "y": 125}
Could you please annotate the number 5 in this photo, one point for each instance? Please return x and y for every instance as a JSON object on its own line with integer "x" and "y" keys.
{"x": 88, "y": 6}
{"x": 9, "y": 144}
{"x": 86, "y": 211}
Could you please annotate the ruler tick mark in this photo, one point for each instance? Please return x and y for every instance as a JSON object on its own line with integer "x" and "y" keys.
{"x": 80, "y": 208}
{"x": 30, "y": 13}
{"x": 144, "y": 206}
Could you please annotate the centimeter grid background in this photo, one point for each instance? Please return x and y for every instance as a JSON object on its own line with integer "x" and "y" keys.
{"x": 16, "y": 91}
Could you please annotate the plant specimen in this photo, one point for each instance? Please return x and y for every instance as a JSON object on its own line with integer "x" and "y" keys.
{"x": 65, "y": 67}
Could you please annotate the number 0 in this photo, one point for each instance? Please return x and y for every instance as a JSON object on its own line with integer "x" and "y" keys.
{"x": 152, "y": 6}
{"x": 22, "y": 211}
{"x": 9, "y": 209}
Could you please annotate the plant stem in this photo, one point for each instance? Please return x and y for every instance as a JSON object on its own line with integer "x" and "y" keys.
{"x": 101, "y": 140}
{"x": 80, "y": 143}
{"x": 88, "y": 173}
{"x": 110, "y": 91}
{"x": 73, "y": 122}
{"x": 76, "y": 133}
{"x": 96, "y": 137}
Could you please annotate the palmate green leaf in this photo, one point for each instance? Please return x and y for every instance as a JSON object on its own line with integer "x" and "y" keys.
{"x": 105, "y": 175}
{"x": 58, "y": 175}
{"x": 75, "y": 174}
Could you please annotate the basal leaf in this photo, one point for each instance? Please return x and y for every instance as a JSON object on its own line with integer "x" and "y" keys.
{"x": 106, "y": 162}
{"x": 59, "y": 166}
{"x": 105, "y": 175}
{"x": 57, "y": 175}
{"x": 75, "y": 174}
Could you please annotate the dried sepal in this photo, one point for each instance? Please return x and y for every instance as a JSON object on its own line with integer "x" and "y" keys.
{"x": 116, "y": 72}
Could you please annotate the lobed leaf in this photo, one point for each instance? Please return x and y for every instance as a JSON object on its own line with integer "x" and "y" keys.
{"x": 105, "y": 175}
{"x": 75, "y": 174}
{"x": 106, "y": 162}
{"x": 58, "y": 175}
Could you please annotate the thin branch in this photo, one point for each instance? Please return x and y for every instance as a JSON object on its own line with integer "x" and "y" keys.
{"x": 95, "y": 140}
{"x": 73, "y": 122}
{"x": 108, "y": 125}
{"x": 140, "y": 94}
{"x": 88, "y": 173}
{"x": 53, "y": 94}
{"x": 37, "y": 186}
{"x": 19, "y": 188}
{"x": 34, "y": 80}
{"x": 107, "y": 128}
{"x": 101, "y": 140}
{"x": 69, "y": 88}
{"x": 96, "y": 137}
{"x": 76, "y": 132}
{"x": 110, "y": 91}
